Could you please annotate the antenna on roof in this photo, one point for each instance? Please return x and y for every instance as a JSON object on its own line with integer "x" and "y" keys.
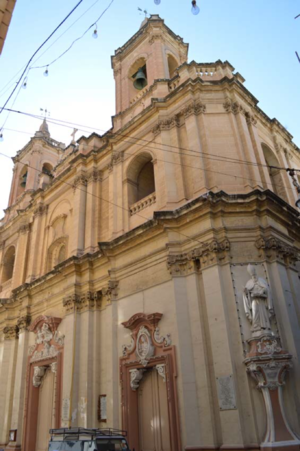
{"x": 143, "y": 11}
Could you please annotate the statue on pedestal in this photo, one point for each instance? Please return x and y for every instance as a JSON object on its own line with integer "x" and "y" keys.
{"x": 258, "y": 304}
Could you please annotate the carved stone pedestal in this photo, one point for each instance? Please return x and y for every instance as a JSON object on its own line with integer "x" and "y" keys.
{"x": 267, "y": 363}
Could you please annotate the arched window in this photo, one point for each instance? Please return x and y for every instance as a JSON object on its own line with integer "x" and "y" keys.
{"x": 23, "y": 177}
{"x": 141, "y": 181}
{"x": 8, "y": 264}
{"x": 277, "y": 184}
{"x": 47, "y": 169}
{"x": 172, "y": 65}
{"x": 61, "y": 254}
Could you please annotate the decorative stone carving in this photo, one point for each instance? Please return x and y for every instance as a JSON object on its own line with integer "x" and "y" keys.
{"x": 211, "y": 253}
{"x": 268, "y": 346}
{"x": 80, "y": 180}
{"x": 70, "y": 303}
{"x": 135, "y": 378}
{"x": 48, "y": 339}
{"x": 23, "y": 323}
{"x": 94, "y": 176}
{"x": 233, "y": 107}
{"x": 40, "y": 210}
{"x": 165, "y": 340}
{"x": 109, "y": 293}
{"x": 166, "y": 124}
{"x": 250, "y": 119}
{"x": 24, "y": 228}
{"x": 59, "y": 338}
{"x": 53, "y": 367}
{"x": 179, "y": 264}
{"x": 144, "y": 346}
{"x": 116, "y": 157}
{"x": 161, "y": 369}
{"x": 193, "y": 108}
{"x": 156, "y": 37}
{"x": 11, "y": 332}
{"x": 126, "y": 349}
{"x": 258, "y": 304}
{"x": 277, "y": 250}
{"x": 38, "y": 374}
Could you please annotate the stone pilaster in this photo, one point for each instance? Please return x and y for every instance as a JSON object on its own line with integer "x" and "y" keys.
{"x": 21, "y": 256}
{"x": 93, "y": 200}
{"x": 79, "y": 212}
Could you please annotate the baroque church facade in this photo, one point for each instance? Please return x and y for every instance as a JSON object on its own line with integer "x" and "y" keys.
{"x": 149, "y": 277}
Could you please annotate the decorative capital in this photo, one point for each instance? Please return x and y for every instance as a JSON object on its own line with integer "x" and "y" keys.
{"x": 156, "y": 37}
{"x": 179, "y": 264}
{"x": 116, "y": 157}
{"x": 71, "y": 302}
{"x": 88, "y": 301}
{"x": 166, "y": 124}
{"x": 211, "y": 253}
{"x": 94, "y": 176}
{"x": 233, "y": 107}
{"x": 80, "y": 180}
{"x": 276, "y": 250}
{"x": 11, "y": 332}
{"x": 23, "y": 323}
{"x": 24, "y": 228}
{"x": 193, "y": 108}
{"x": 110, "y": 292}
{"x": 250, "y": 119}
{"x": 41, "y": 210}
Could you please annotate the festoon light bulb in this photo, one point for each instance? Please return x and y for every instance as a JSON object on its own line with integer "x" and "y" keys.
{"x": 157, "y": 2}
{"x": 195, "y": 9}
{"x": 95, "y": 33}
{"x": 46, "y": 73}
{"x": 1, "y": 137}
{"x": 24, "y": 85}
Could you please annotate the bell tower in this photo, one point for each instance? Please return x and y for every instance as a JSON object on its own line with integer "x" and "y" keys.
{"x": 153, "y": 53}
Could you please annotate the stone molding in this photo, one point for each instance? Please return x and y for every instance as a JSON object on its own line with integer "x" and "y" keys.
{"x": 23, "y": 323}
{"x": 208, "y": 254}
{"x": 193, "y": 108}
{"x": 11, "y": 332}
{"x": 275, "y": 249}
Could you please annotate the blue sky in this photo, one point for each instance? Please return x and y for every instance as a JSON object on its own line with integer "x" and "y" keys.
{"x": 258, "y": 37}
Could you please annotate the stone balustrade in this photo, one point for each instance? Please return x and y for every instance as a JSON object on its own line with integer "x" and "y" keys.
{"x": 143, "y": 203}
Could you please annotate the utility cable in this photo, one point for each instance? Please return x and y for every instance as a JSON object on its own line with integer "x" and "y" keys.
{"x": 207, "y": 155}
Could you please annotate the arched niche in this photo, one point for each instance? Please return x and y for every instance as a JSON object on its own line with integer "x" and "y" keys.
{"x": 172, "y": 65}
{"x": 140, "y": 178}
{"x": 277, "y": 184}
{"x": 8, "y": 264}
{"x": 57, "y": 252}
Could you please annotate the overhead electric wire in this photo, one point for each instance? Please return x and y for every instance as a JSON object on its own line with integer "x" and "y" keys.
{"x": 38, "y": 49}
{"x": 51, "y": 45}
{"x": 206, "y": 155}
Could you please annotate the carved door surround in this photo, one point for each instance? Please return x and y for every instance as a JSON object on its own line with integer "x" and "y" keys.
{"x": 45, "y": 355}
{"x": 147, "y": 350}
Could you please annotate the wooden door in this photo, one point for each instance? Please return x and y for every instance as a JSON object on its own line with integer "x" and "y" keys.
{"x": 154, "y": 434}
{"x": 45, "y": 411}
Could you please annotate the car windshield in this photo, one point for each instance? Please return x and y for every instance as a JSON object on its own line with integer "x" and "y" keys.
{"x": 66, "y": 445}
{"x": 111, "y": 445}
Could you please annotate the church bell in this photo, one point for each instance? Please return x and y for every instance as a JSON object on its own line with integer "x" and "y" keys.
{"x": 23, "y": 180}
{"x": 140, "y": 80}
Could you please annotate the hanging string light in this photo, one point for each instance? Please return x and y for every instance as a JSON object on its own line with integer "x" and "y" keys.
{"x": 95, "y": 33}
{"x": 24, "y": 85}
{"x": 1, "y": 137}
{"x": 46, "y": 73}
{"x": 195, "y": 9}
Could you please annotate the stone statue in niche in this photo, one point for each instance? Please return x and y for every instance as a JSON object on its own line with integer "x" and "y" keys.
{"x": 258, "y": 304}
